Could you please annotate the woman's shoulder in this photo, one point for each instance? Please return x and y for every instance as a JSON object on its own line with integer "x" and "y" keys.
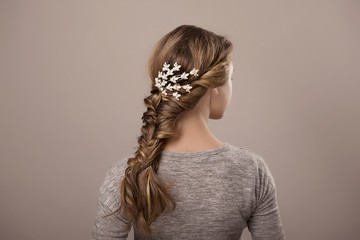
{"x": 114, "y": 174}
{"x": 245, "y": 153}
{"x": 261, "y": 166}
{"x": 248, "y": 157}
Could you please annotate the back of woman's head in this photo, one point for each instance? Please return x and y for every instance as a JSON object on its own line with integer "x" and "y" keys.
{"x": 144, "y": 196}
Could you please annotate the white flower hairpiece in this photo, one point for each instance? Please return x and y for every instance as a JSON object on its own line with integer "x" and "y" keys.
{"x": 174, "y": 79}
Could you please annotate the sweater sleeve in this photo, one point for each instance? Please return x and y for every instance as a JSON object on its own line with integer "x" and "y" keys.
{"x": 265, "y": 222}
{"x": 114, "y": 226}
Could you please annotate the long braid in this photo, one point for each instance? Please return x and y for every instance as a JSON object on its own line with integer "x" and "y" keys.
{"x": 141, "y": 177}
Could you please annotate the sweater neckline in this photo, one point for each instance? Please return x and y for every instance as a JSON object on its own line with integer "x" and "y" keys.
{"x": 222, "y": 148}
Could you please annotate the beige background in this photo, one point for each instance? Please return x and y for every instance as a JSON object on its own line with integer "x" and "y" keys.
{"x": 73, "y": 78}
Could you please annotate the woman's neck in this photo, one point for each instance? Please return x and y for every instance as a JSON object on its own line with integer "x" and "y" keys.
{"x": 194, "y": 134}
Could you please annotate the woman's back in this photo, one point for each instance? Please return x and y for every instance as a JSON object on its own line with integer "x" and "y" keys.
{"x": 218, "y": 193}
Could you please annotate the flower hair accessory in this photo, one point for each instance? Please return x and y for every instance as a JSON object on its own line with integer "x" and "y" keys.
{"x": 174, "y": 79}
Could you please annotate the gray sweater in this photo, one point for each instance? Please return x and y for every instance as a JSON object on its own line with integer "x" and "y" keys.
{"x": 218, "y": 193}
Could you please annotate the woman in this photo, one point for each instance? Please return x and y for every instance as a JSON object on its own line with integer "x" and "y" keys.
{"x": 183, "y": 182}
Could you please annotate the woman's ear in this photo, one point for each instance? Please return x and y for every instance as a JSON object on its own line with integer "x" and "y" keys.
{"x": 214, "y": 91}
